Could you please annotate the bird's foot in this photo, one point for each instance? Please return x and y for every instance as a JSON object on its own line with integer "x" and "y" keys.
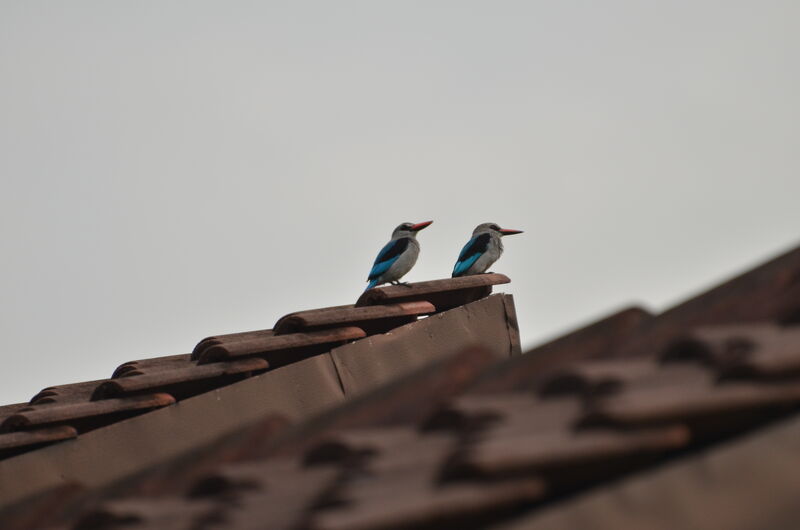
{"x": 404, "y": 284}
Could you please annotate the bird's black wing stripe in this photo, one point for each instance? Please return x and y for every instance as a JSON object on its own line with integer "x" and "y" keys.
{"x": 399, "y": 246}
{"x": 478, "y": 246}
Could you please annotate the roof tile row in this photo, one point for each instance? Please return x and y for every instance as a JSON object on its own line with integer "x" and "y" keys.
{"x": 146, "y": 384}
{"x": 484, "y": 458}
{"x": 463, "y": 444}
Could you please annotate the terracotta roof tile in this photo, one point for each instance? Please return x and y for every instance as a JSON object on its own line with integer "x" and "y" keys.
{"x": 229, "y": 338}
{"x": 12, "y": 442}
{"x": 172, "y": 380}
{"x": 16, "y": 440}
{"x": 597, "y": 340}
{"x": 148, "y": 514}
{"x": 259, "y": 345}
{"x": 52, "y": 414}
{"x": 153, "y": 365}
{"x": 508, "y": 411}
{"x": 761, "y": 350}
{"x": 220, "y": 360}
{"x": 63, "y": 394}
{"x": 457, "y": 505}
{"x": 597, "y": 377}
{"x": 466, "y": 442}
{"x": 691, "y": 403}
{"x": 444, "y": 294}
{"x": 373, "y": 318}
{"x": 501, "y": 454}
{"x": 277, "y": 493}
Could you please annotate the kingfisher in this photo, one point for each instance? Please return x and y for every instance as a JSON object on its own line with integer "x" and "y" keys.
{"x": 482, "y": 250}
{"x": 398, "y": 256}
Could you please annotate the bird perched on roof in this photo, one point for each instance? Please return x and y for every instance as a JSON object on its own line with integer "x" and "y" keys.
{"x": 398, "y": 256}
{"x": 482, "y": 250}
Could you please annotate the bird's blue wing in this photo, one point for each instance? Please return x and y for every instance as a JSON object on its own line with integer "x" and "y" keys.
{"x": 387, "y": 256}
{"x": 473, "y": 250}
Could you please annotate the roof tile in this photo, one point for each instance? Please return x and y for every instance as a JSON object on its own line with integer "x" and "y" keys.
{"x": 275, "y": 494}
{"x": 172, "y": 380}
{"x": 63, "y": 394}
{"x": 364, "y": 317}
{"x": 682, "y": 403}
{"x": 761, "y": 350}
{"x": 451, "y": 506}
{"x": 229, "y": 338}
{"x": 444, "y": 294}
{"x": 155, "y": 364}
{"x": 57, "y": 413}
{"x": 269, "y": 343}
{"x": 16, "y": 440}
{"x": 147, "y": 514}
{"x": 595, "y": 377}
{"x": 499, "y": 454}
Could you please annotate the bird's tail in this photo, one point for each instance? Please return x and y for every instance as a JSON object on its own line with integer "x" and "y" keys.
{"x": 372, "y": 284}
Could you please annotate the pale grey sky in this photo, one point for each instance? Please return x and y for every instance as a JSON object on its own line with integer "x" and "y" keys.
{"x": 173, "y": 170}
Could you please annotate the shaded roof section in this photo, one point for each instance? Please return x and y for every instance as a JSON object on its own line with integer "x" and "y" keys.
{"x": 768, "y": 293}
{"x": 469, "y": 442}
{"x": 65, "y": 411}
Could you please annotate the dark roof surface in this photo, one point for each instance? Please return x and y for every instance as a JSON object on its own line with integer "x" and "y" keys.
{"x": 471, "y": 442}
{"x": 64, "y": 411}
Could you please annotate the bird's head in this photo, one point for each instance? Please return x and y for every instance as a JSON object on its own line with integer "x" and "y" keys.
{"x": 494, "y": 228}
{"x": 409, "y": 229}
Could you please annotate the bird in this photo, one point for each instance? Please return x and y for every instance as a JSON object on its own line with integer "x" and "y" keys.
{"x": 398, "y": 256}
{"x": 482, "y": 250}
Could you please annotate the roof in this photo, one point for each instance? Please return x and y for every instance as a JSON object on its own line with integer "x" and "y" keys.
{"x": 64, "y": 411}
{"x": 606, "y": 427}
{"x": 95, "y": 432}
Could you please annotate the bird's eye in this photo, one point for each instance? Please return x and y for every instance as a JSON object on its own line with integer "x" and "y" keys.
{"x": 495, "y": 227}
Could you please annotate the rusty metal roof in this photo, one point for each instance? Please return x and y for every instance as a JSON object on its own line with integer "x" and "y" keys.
{"x": 468, "y": 441}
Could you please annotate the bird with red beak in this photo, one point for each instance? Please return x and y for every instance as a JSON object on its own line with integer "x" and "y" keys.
{"x": 482, "y": 250}
{"x": 398, "y": 256}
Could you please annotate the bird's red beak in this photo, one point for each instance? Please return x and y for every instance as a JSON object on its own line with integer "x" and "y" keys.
{"x": 419, "y": 226}
{"x": 509, "y": 231}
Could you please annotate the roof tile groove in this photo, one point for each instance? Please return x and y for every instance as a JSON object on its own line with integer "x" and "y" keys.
{"x": 350, "y": 316}
{"x": 62, "y": 394}
{"x": 593, "y": 377}
{"x": 268, "y": 343}
{"x": 397, "y": 403}
{"x": 399, "y": 481}
{"x": 597, "y": 340}
{"x": 444, "y": 294}
{"x": 168, "y": 379}
{"x": 451, "y": 506}
{"x": 469, "y": 443}
{"x": 229, "y": 338}
{"x": 55, "y": 413}
{"x": 279, "y": 492}
{"x": 498, "y": 454}
{"x": 155, "y": 364}
{"x": 8, "y": 410}
{"x": 147, "y": 514}
{"x": 222, "y": 359}
{"x": 767, "y": 293}
{"x": 14, "y": 440}
{"x": 754, "y": 350}
{"x": 664, "y": 404}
